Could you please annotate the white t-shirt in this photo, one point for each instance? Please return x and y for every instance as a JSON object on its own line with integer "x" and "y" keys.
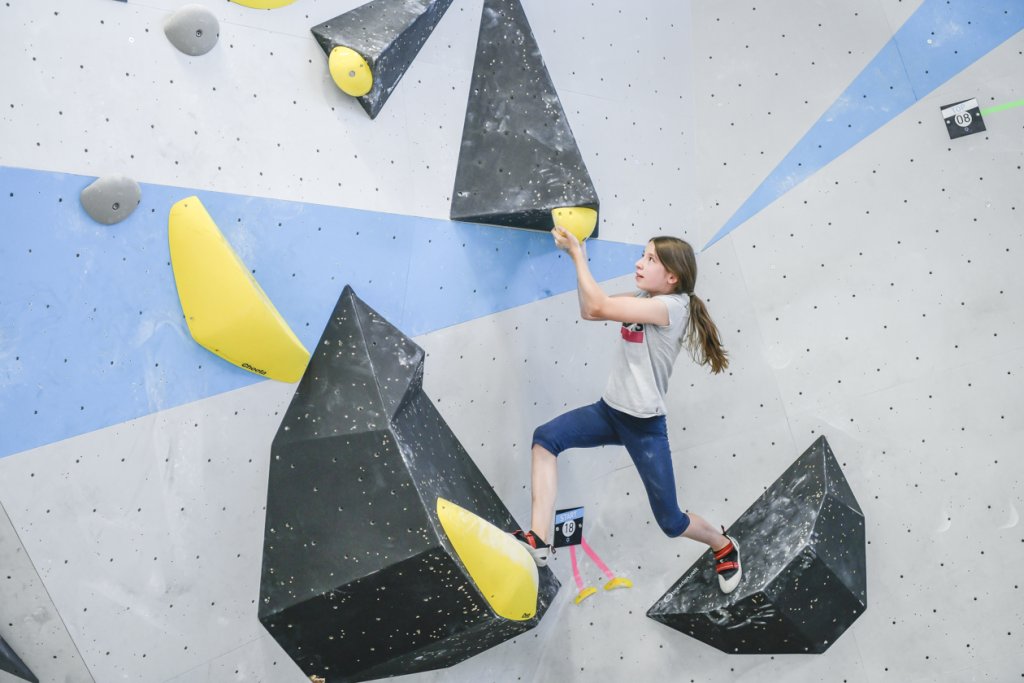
{"x": 643, "y": 363}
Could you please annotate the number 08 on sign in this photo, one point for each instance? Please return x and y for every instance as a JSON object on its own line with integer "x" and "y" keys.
{"x": 962, "y": 118}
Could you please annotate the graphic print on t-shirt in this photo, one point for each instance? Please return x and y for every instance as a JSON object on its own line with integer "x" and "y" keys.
{"x": 633, "y": 332}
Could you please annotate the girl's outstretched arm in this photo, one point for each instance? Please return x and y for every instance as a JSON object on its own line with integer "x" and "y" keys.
{"x": 594, "y": 303}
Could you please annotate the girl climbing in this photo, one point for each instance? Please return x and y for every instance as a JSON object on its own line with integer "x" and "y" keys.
{"x": 658, "y": 321}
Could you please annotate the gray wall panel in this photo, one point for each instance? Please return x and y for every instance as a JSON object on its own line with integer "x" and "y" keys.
{"x": 875, "y": 303}
{"x": 29, "y": 621}
{"x": 149, "y": 534}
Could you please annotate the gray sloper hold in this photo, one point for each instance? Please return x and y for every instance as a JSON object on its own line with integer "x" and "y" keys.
{"x": 12, "y": 664}
{"x": 804, "y": 568}
{"x": 518, "y": 158}
{"x": 193, "y": 29}
{"x": 111, "y": 199}
{"x": 359, "y": 578}
{"x": 388, "y": 34}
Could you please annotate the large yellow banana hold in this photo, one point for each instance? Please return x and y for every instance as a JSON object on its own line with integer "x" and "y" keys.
{"x": 263, "y": 4}
{"x": 225, "y": 308}
{"x": 502, "y": 569}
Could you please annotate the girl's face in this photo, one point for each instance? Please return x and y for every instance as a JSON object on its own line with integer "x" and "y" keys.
{"x": 651, "y": 275}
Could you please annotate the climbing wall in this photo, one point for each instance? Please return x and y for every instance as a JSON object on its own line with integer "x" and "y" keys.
{"x": 871, "y": 301}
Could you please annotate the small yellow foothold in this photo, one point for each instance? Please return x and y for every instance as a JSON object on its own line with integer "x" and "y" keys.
{"x": 618, "y": 582}
{"x": 350, "y": 71}
{"x": 585, "y": 593}
{"x": 579, "y": 220}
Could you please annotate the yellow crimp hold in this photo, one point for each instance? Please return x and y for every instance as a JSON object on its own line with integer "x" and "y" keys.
{"x": 502, "y": 569}
{"x": 584, "y": 594}
{"x": 618, "y": 582}
{"x": 225, "y": 308}
{"x": 350, "y": 71}
{"x": 579, "y": 220}
{"x": 263, "y": 4}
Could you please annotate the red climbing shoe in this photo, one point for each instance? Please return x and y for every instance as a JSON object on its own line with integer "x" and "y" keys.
{"x": 538, "y": 548}
{"x": 727, "y": 566}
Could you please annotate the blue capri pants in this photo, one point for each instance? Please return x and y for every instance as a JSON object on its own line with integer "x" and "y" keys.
{"x": 646, "y": 441}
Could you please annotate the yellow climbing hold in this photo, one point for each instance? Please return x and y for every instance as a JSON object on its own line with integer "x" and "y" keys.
{"x": 350, "y": 71}
{"x": 584, "y": 594}
{"x": 500, "y": 567}
{"x": 618, "y": 582}
{"x": 579, "y": 220}
{"x": 225, "y": 308}
{"x": 263, "y": 4}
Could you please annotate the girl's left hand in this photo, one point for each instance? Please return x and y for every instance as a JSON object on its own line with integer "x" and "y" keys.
{"x": 565, "y": 240}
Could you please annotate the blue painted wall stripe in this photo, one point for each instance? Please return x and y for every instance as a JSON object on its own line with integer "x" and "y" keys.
{"x": 938, "y": 41}
{"x": 91, "y": 330}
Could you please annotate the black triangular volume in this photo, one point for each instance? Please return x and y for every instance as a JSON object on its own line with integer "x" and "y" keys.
{"x": 519, "y": 159}
{"x": 12, "y": 664}
{"x": 388, "y": 34}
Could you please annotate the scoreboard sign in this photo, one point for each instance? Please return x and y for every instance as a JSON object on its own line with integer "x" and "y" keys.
{"x": 962, "y": 118}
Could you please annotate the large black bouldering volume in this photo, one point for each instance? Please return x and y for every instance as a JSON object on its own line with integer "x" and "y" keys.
{"x": 804, "y": 568}
{"x": 518, "y": 158}
{"x": 359, "y": 579}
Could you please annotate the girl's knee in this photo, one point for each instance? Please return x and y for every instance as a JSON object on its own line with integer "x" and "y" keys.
{"x": 543, "y": 436}
{"x": 674, "y": 525}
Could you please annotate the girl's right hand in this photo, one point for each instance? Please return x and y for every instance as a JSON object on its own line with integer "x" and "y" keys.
{"x": 565, "y": 240}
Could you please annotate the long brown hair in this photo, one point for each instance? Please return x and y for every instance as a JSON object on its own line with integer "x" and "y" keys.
{"x": 701, "y": 337}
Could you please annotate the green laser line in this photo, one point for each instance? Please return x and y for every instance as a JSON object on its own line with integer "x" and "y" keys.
{"x": 1001, "y": 107}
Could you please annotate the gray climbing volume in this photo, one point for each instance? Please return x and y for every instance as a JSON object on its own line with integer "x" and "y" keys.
{"x": 518, "y": 158}
{"x": 804, "y": 568}
{"x": 193, "y": 29}
{"x": 111, "y": 199}
{"x": 359, "y": 579}
{"x": 388, "y": 34}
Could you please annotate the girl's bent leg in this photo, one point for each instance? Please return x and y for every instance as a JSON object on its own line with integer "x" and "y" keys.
{"x": 544, "y": 481}
{"x": 646, "y": 441}
{"x": 584, "y": 427}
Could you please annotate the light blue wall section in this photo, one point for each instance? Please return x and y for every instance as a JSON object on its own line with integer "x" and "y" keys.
{"x": 91, "y": 330}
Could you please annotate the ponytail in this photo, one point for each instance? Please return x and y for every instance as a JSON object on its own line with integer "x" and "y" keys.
{"x": 701, "y": 337}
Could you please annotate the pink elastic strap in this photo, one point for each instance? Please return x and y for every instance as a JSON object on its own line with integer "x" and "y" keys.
{"x": 597, "y": 560}
{"x": 575, "y": 568}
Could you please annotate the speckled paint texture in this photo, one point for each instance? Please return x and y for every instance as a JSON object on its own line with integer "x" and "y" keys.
{"x": 359, "y": 579}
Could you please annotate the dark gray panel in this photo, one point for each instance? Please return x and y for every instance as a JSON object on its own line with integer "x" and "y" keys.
{"x": 518, "y": 158}
{"x": 320, "y": 489}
